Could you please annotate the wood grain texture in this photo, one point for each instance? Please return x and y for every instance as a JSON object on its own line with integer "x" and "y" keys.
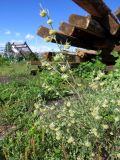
{"x": 101, "y": 12}
{"x": 62, "y": 38}
{"x": 117, "y": 13}
{"x": 87, "y": 24}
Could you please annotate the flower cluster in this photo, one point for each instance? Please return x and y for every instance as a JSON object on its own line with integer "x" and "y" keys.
{"x": 52, "y": 32}
{"x": 59, "y": 57}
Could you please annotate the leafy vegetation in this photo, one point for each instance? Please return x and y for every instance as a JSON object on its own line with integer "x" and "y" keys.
{"x": 3, "y": 60}
{"x": 62, "y": 114}
{"x": 13, "y": 68}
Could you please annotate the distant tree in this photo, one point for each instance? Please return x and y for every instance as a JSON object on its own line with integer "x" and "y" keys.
{"x": 8, "y": 49}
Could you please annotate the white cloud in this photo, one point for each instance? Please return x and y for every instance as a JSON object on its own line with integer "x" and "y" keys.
{"x": 29, "y": 37}
{"x": 17, "y": 41}
{"x": 17, "y": 34}
{"x": 8, "y": 32}
{"x": 2, "y": 44}
{"x": 40, "y": 49}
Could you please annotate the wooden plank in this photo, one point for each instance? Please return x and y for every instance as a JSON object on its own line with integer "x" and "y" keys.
{"x": 117, "y": 13}
{"x": 111, "y": 25}
{"x": 104, "y": 44}
{"x": 101, "y": 12}
{"x": 28, "y": 48}
{"x": 86, "y": 55}
{"x": 96, "y": 8}
{"x": 62, "y": 38}
{"x": 116, "y": 48}
{"x": 74, "y": 31}
{"x": 35, "y": 63}
{"x": 87, "y": 24}
{"x": 85, "y": 51}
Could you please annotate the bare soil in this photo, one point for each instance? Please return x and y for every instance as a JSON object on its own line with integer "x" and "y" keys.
{"x": 5, "y": 130}
{"x": 5, "y": 79}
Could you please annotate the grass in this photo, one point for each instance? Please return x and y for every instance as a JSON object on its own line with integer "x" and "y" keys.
{"x": 49, "y": 125}
{"x": 14, "y": 69}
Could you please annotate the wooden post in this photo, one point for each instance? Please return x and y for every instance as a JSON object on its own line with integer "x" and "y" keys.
{"x": 87, "y": 24}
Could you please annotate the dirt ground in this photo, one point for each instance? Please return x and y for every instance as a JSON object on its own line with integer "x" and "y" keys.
{"x": 5, "y": 130}
{"x": 5, "y": 79}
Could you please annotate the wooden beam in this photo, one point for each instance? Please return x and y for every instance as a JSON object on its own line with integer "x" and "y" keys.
{"x": 117, "y": 48}
{"x": 101, "y": 12}
{"x": 97, "y": 42}
{"x": 104, "y": 44}
{"x": 85, "y": 55}
{"x": 87, "y": 24}
{"x": 35, "y": 62}
{"x": 28, "y": 48}
{"x": 111, "y": 25}
{"x": 106, "y": 56}
{"x": 62, "y": 38}
{"x": 117, "y": 13}
{"x": 96, "y": 8}
{"x": 74, "y": 31}
{"x": 85, "y": 51}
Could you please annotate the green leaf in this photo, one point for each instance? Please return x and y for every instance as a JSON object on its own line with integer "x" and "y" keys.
{"x": 115, "y": 54}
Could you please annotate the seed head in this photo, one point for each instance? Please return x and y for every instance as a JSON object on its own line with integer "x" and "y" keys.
{"x": 63, "y": 68}
{"x": 52, "y": 32}
{"x": 105, "y": 126}
{"x": 43, "y": 13}
{"x": 67, "y": 45}
{"x": 50, "y": 21}
{"x": 87, "y": 144}
{"x": 47, "y": 39}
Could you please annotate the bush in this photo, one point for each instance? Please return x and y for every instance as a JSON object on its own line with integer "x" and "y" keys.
{"x": 89, "y": 69}
{"x": 3, "y": 60}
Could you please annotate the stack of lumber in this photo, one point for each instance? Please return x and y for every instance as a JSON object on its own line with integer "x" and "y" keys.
{"x": 100, "y": 30}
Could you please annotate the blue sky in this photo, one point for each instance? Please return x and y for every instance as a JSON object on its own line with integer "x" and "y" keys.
{"x": 19, "y": 20}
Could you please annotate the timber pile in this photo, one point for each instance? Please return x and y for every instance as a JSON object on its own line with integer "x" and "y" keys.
{"x": 71, "y": 58}
{"x": 100, "y": 30}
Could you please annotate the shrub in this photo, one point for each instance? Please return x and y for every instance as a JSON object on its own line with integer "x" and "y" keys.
{"x": 3, "y": 60}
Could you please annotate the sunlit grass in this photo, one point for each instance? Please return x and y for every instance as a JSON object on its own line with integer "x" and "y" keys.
{"x": 14, "y": 68}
